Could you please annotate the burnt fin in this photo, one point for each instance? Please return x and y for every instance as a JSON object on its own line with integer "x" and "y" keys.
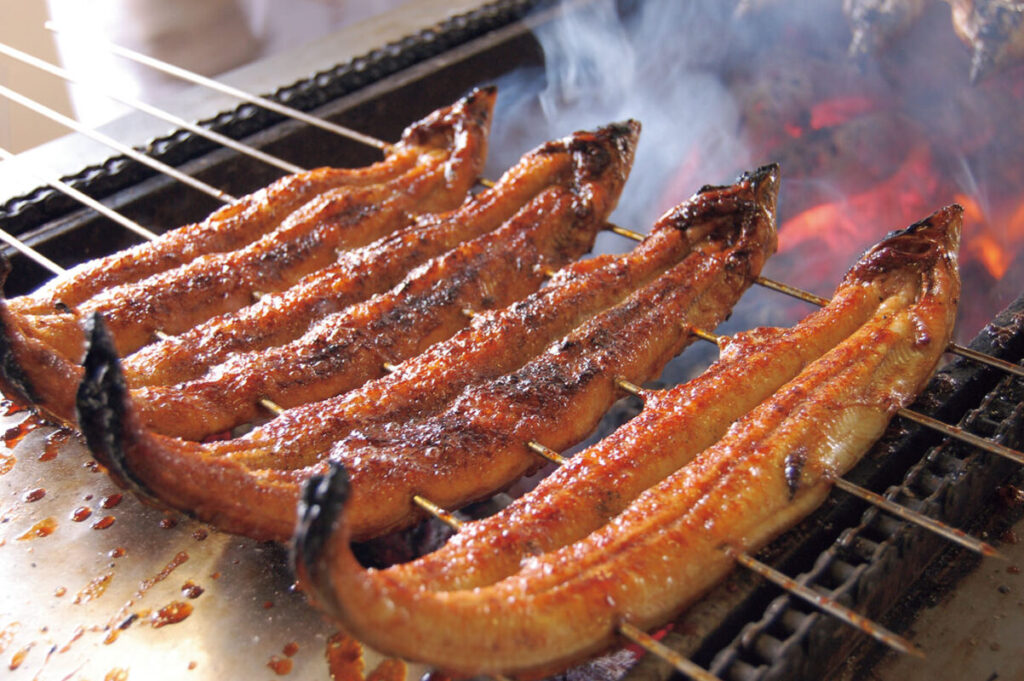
{"x": 319, "y": 509}
{"x": 100, "y": 406}
{"x": 12, "y": 376}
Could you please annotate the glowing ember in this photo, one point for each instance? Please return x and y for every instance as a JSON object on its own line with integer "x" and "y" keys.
{"x": 849, "y": 225}
{"x": 838, "y": 110}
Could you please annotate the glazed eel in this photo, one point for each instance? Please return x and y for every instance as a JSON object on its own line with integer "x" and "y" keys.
{"x": 196, "y": 271}
{"x": 358, "y": 274}
{"x": 343, "y": 350}
{"x": 550, "y": 601}
{"x": 457, "y": 396}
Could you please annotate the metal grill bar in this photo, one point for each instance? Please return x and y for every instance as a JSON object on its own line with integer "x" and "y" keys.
{"x": 829, "y": 605}
{"x": 85, "y": 199}
{"x": 191, "y": 77}
{"x": 156, "y": 112}
{"x": 156, "y": 165}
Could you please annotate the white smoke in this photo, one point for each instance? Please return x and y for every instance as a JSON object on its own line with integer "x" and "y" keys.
{"x": 601, "y": 67}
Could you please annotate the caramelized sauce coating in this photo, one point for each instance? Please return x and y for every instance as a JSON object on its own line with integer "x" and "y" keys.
{"x": 344, "y": 349}
{"x": 265, "y": 242}
{"x": 440, "y": 424}
{"x": 557, "y": 601}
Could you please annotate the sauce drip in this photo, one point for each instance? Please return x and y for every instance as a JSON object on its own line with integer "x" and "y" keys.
{"x": 19, "y": 657}
{"x": 33, "y": 495}
{"x": 81, "y": 513}
{"x": 15, "y": 434}
{"x": 44, "y": 528}
{"x": 172, "y": 613}
{"x": 191, "y": 590}
{"x": 103, "y": 523}
{"x": 54, "y": 441}
{"x": 111, "y": 501}
{"x": 95, "y": 588}
{"x": 280, "y": 665}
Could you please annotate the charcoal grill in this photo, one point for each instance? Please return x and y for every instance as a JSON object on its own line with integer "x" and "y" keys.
{"x": 744, "y": 630}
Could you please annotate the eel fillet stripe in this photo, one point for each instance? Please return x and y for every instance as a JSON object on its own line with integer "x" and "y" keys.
{"x": 345, "y": 349}
{"x": 667, "y": 547}
{"x": 251, "y": 484}
{"x": 41, "y": 341}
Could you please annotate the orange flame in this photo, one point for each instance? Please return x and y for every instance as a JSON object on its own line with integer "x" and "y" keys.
{"x": 838, "y": 110}
{"x": 847, "y": 226}
{"x": 991, "y": 241}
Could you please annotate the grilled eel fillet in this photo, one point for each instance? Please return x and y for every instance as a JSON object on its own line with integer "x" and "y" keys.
{"x": 876, "y": 22}
{"x": 554, "y": 602}
{"x": 189, "y": 274}
{"x": 697, "y": 259}
{"x": 345, "y": 349}
{"x": 993, "y": 29}
{"x": 358, "y": 274}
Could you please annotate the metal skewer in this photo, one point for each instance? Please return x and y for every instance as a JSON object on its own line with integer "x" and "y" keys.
{"x": 829, "y": 605}
{"x": 195, "y": 78}
{"x": 223, "y": 140}
{"x": 900, "y": 511}
{"x": 156, "y": 165}
{"x": 656, "y": 647}
{"x": 629, "y": 631}
{"x": 85, "y": 199}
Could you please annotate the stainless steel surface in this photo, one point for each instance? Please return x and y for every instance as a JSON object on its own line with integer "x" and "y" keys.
{"x": 73, "y": 581}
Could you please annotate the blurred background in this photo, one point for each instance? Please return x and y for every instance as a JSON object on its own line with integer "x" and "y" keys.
{"x": 206, "y": 36}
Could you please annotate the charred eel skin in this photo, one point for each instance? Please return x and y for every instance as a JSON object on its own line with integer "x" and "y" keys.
{"x": 357, "y": 275}
{"x": 345, "y": 349}
{"x": 699, "y": 257}
{"x": 244, "y": 221}
{"x": 43, "y": 334}
{"x": 675, "y": 539}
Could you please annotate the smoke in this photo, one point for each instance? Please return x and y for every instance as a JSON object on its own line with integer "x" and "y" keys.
{"x": 866, "y": 146}
{"x": 603, "y": 65}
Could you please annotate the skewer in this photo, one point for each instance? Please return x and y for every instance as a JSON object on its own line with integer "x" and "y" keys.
{"x": 900, "y": 511}
{"x": 84, "y": 198}
{"x": 30, "y": 252}
{"x": 152, "y": 110}
{"x": 271, "y": 406}
{"x": 114, "y": 144}
{"x": 629, "y": 631}
{"x": 380, "y": 144}
{"x": 438, "y": 512}
{"x": 195, "y": 78}
{"x": 656, "y": 647}
{"x": 809, "y": 297}
{"x": 156, "y": 165}
{"x": 629, "y": 387}
{"x": 829, "y": 605}
{"x": 961, "y": 434}
{"x": 546, "y": 452}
